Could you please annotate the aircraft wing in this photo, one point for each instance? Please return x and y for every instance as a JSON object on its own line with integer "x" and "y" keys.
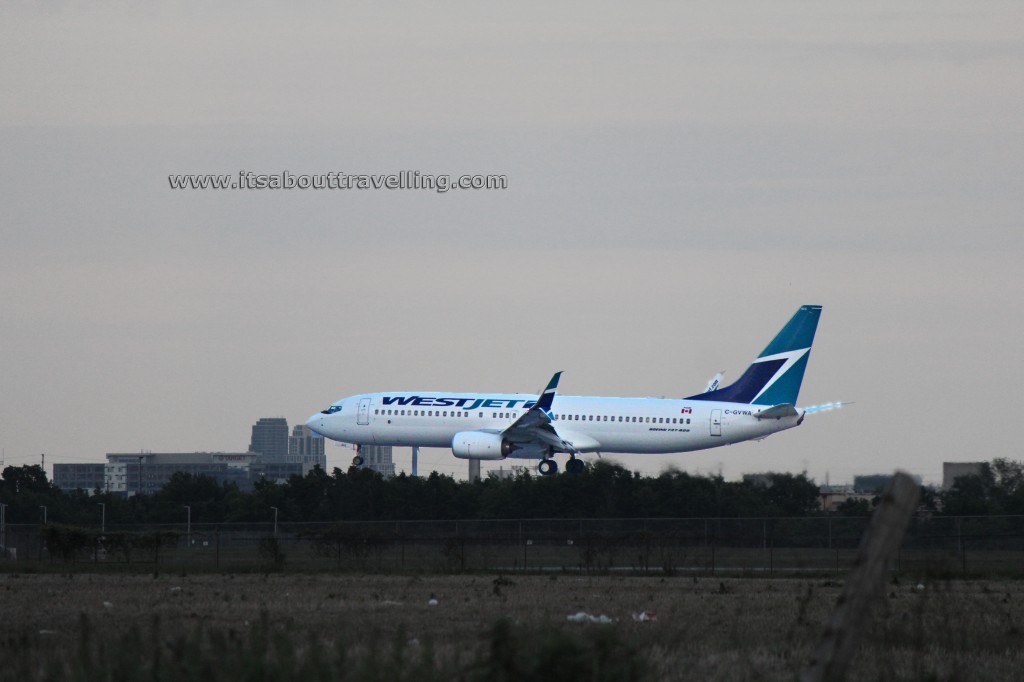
{"x": 535, "y": 426}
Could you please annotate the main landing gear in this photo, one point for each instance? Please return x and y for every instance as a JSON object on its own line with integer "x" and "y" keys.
{"x": 575, "y": 466}
{"x": 549, "y": 467}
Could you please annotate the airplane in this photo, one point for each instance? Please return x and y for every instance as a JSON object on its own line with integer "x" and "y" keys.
{"x": 489, "y": 426}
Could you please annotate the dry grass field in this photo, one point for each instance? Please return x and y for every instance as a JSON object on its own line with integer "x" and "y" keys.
{"x": 483, "y": 627}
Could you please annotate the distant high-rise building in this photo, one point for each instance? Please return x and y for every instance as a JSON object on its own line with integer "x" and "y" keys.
{"x": 378, "y": 458}
{"x": 307, "y": 448}
{"x": 304, "y": 441}
{"x": 270, "y": 439}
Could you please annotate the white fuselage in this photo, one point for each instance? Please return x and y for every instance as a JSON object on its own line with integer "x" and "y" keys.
{"x": 619, "y": 425}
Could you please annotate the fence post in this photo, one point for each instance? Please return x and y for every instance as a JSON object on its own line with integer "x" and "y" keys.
{"x": 881, "y": 540}
{"x": 647, "y": 549}
{"x": 522, "y": 544}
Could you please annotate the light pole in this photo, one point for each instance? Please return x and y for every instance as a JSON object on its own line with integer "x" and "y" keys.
{"x": 275, "y": 521}
{"x": 43, "y": 507}
{"x": 189, "y": 527}
{"x": 103, "y": 519}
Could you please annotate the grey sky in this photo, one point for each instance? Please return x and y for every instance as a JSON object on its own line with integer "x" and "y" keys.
{"x": 682, "y": 177}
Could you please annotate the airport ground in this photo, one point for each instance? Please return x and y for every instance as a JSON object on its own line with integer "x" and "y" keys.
{"x": 359, "y": 626}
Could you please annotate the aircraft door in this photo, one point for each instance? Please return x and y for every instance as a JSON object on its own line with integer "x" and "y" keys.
{"x": 364, "y": 412}
{"x": 716, "y": 422}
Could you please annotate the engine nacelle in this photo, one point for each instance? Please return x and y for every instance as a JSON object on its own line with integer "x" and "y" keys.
{"x": 480, "y": 445}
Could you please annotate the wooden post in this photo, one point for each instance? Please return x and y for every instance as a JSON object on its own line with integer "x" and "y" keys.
{"x": 879, "y": 544}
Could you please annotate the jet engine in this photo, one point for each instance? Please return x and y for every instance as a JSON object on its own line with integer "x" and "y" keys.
{"x": 480, "y": 445}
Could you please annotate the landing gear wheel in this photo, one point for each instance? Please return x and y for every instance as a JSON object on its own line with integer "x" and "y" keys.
{"x": 575, "y": 466}
{"x": 547, "y": 467}
{"x": 357, "y": 461}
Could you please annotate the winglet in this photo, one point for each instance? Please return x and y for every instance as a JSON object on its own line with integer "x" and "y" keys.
{"x": 715, "y": 383}
{"x": 548, "y": 396}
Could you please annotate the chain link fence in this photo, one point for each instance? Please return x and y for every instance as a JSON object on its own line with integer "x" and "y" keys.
{"x": 968, "y": 545}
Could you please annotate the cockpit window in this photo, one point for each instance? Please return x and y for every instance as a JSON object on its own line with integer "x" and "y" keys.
{"x": 332, "y": 409}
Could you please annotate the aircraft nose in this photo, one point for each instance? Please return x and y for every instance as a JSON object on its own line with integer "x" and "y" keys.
{"x": 316, "y": 423}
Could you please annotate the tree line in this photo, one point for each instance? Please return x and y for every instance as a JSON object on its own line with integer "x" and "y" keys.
{"x": 605, "y": 490}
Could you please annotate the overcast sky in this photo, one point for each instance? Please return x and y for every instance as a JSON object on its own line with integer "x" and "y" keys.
{"x": 682, "y": 176}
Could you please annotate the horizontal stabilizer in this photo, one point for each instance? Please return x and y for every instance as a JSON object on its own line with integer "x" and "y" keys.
{"x": 778, "y": 412}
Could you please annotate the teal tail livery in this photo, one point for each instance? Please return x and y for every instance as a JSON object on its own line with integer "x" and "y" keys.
{"x": 496, "y": 426}
{"x": 775, "y": 376}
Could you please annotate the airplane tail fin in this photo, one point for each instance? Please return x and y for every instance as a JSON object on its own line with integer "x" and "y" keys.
{"x": 774, "y": 377}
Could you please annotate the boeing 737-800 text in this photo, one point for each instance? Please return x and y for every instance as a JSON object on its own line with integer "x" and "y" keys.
{"x": 495, "y": 426}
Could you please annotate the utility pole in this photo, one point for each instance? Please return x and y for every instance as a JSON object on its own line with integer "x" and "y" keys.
{"x": 3, "y": 525}
{"x": 189, "y": 526}
{"x": 103, "y": 519}
{"x": 43, "y": 507}
{"x": 275, "y": 521}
